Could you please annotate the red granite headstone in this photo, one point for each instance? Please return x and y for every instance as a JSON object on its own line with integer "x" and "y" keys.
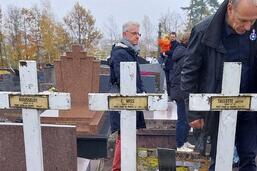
{"x": 78, "y": 74}
{"x": 59, "y": 147}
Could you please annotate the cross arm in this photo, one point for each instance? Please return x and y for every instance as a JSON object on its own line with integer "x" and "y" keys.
{"x": 59, "y": 100}
{"x": 205, "y": 102}
{"x": 56, "y": 100}
{"x": 100, "y": 101}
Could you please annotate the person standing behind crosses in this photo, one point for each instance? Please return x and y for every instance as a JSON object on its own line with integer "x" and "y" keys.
{"x": 125, "y": 51}
{"x": 167, "y": 59}
{"x": 227, "y": 36}
{"x": 182, "y": 127}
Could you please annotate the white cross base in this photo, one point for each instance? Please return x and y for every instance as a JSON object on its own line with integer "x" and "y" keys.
{"x": 32, "y": 103}
{"x": 128, "y": 102}
{"x": 228, "y": 102}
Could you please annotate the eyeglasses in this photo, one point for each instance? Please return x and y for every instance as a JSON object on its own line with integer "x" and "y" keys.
{"x": 135, "y": 33}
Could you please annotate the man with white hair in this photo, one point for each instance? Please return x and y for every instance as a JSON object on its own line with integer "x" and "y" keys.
{"x": 227, "y": 36}
{"x": 126, "y": 50}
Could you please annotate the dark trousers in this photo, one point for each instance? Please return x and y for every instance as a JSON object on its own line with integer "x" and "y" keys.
{"x": 245, "y": 141}
{"x": 182, "y": 127}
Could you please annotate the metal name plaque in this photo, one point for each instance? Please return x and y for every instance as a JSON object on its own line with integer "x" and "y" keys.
{"x": 128, "y": 103}
{"x": 29, "y": 101}
{"x": 230, "y": 103}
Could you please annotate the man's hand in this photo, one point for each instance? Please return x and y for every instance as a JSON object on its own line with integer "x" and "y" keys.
{"x": 199, "y": 123}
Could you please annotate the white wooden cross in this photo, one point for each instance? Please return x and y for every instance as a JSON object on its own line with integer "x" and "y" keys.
{"x": 228, "y": 102}
{"x": 32, "y": 103}
{"x": 128, "y": 102}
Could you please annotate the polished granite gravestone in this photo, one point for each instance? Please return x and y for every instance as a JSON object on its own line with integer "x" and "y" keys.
{"x": 105, "y": 69}
{"x": 46, "y": 77}
{"x": 78, "y": 74}
{"x": 159, "y": 133}
{"x": 161, "y": 129}
{"x": 157, "y": 71}
{"x": 149, "y": 83}
{"x": 9, "y": 80}
{"x": 104, "y": 84}
{"x": 59, "y": 147}
{"x": 166, "y": 159}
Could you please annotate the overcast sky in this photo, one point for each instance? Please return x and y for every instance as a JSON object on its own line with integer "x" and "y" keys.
{"x": 120, "y": 10}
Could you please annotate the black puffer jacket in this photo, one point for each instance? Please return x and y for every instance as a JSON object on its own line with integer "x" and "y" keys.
{"x": 123, "y": 53}
{"x": 178, "y": 58}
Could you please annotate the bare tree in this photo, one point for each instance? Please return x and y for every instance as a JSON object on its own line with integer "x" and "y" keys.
{"x": 47, "y": 8}
{"x": 35, "y": 34}
{"x": 13, "y": 28}
{"x": 171, "y": 21}
{"x": 112, "y": 34}
{"x": 148, "y": 44}
{"x": 111, "y": 30}
{"x": 26, "y": 27}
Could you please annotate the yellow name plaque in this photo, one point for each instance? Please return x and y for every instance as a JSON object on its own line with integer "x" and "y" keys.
{"x": 29, "y": 101}
{"x": 128, "y": 103}
{"x": 230, "y": 103}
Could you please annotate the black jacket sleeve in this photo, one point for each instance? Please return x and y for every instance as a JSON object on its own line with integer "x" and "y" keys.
{"x": 117, "y": 56}
{"x": 191, "y": 70}
{"x": 192, "y": 64}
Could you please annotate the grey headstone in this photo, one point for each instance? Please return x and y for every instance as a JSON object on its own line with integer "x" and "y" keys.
{"x": 46, "y": 78}
{"x": 149, "y": 84}
{"x": 157, "y": 71}
{"x": 167, "y": 159}
{"x": 9, "y": 82}
{"x": 104, "y": 83}
{"x": 49, "y": 74}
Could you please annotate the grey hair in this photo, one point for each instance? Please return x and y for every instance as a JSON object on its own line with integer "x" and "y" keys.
{"x": 128, "y": 24}
{"x": 235, "y": 2}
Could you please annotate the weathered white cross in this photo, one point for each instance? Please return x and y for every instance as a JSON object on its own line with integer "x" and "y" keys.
{"x": 32, "y": 103}
{"x": 128, "y": 102}
{"x": 228, "y": 102}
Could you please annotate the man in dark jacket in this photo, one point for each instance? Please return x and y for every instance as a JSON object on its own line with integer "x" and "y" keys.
{"x": 228, "y": 36}
{"x": 125, "y": 51}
